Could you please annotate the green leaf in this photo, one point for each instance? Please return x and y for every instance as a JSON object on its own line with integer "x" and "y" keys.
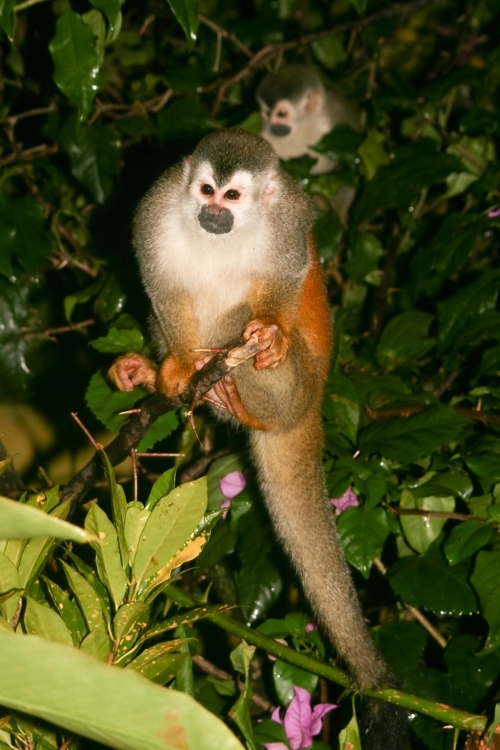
{"x": 8, "y": 18}
{"x": 474, "y": 299}
{"x": 88, "y": 600}
{"x": 340, "y": 145}
{"x": 97, "y": 644}
{"x": 36, "y": 552}
{"x": 372, "y": 154}
{"x": 285, "y": 676}
{"x": 20, "y": 521}
{"x": 404, "y": 340}
{"x": 76, "y": 60}
{"x": 108, "y": 559}
{"x": 112, "y": 9}
{"x": 349, "y": 738}
{"x": 363, "y": 533}
{"x": 329, "y": 51}
{"x": 81, "y": 296}
{"x": 105, "y": 402}
{"x": 9, "y": 582}
{"x": 135, "y": 520}
{"x": 427, "y": 581}
{"x": 163, "y": 485}
{"x": 43, "y": 621}
{"x": 406, "y": 439}
{"x": 111, "y": 706}
{"x": 342, "y": 404}
{"x": 171, "y": 522}
{"x": 69, "y": 611}
{"x": 157, "y": 663}
{"x": 421, "y": 531}
{"x": 186, "y": 12}
{"x": 465, "y": 539}
{"x": 473, "y": 674}
{"x": 119, "y": 508}
{"x": 401, "y": 642}
{"x": 241, "y": 657}
{"x": 129, "y": 622}
{"x": 94, "y": 152}
{"x": 23, "y": 234}
{"x": 161, "y": 429}
{"x": 363, "y": 258}
{"x": 119, "y": 341}
{"x": 360, "y": 6}
{"x": 485, "y": 581}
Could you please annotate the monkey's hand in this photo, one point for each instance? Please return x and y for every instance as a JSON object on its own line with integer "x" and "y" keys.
{"x": 173, "y": 376}
{"x": 268, "y": 333}
{"x": 224, "y": 395}
{"x": 133, "y": 369}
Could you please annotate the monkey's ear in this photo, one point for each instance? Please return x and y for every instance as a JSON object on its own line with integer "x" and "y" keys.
{"x": 270, "y": 189}
{"x": 315, "y": 98}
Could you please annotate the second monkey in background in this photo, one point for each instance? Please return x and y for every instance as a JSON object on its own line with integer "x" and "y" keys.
{"x": 297, "y": 111}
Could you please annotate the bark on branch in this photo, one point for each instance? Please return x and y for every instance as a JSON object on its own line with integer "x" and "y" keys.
{"x": 232, "y": 355}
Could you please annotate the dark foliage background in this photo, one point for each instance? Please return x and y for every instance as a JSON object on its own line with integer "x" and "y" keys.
{"x": 96, "y": 99}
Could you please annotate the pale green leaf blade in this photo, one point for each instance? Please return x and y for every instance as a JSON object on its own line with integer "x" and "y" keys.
{"x": 76, "y": 60}
{"x": 157, "y": 663}
{"x": 163, "y": 485}
{"x": 20, "y": 521}
{"x": 89, "y": 602}
{"x": 9, "y": 581}
{"x": 186, "y": 12}
{"x": 135, "y": 520}
{"x": 119, "y": 506}
{"x": 97, "y": 644}
{"x": 68, "y": 609}
{"x": 43, "y": 621}
{"x": 37, "y": 550}
{"x": 172, "y": 521}
{"x": 111, "y": 706}
{"x": 109, "y": 563}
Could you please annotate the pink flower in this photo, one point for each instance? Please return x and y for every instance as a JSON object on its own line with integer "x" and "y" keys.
{"x": 301, "y": 722}
{"x": 493, "y": 214}
{"x": 232, "y": 484}
{"x": 348, "y": 500}
{"x": 311, "y": 626}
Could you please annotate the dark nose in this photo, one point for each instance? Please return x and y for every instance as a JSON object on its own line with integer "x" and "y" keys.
{"x": 280, "y": 130}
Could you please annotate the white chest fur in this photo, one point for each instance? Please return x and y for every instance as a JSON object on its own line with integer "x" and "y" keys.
{"x": 216, "y": 270}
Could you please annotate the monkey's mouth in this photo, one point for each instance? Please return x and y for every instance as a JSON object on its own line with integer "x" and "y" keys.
{"x": 218, "y": 221}
{"x": 280, "y": 130}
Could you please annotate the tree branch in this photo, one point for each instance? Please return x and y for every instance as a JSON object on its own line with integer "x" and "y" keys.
{"x": 234, "y": 354}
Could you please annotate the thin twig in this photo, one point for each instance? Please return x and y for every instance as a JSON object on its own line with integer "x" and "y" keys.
{"x": 209, "y": 668}
{"x": 97, "y": 446}
{"x": 13, "y": 119}
{"x": 226, "y": 35}
{"x": 270, "y": 51}
{"x": 30, "y": 333}
{"x": 158, "y": 455}
{"x": 30, "y": 153}
{"x": 27, "y": 4}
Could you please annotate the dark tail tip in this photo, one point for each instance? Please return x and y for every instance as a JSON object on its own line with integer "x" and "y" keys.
{"x": 383, "y": 726}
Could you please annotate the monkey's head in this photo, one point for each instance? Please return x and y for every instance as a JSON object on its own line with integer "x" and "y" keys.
{"x": 232, "y": 176}
{"x": 288, "y": 99}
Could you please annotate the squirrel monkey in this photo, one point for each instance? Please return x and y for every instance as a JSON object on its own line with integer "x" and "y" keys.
{"x": 225, "y": 249}
{"x": 297, "y": 111}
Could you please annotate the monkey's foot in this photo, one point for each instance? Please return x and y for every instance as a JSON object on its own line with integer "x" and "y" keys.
{"x": 224, "y": 395}
{"x": 173, "y": 376}
{"x": 271, "y": 334}
{"x": 131, "y": 370}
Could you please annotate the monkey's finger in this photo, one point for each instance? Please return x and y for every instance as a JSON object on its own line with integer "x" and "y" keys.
{"x": 203, "y": 361}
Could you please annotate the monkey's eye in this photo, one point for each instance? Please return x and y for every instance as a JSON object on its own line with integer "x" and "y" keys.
{"x": 282, "y": 113}
{"x": 207, "y": 189}
{"x": 232, "y": 195}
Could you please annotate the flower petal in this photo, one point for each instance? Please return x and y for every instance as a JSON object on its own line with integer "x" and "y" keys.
{"x": 298, "y": 719}
{"x": 275, "y": 716}
{"x": 232, "y": 484}
{"x": 348, "y": 499}
{"x": 275, "y": 746}
{"x": 318, "y": 712}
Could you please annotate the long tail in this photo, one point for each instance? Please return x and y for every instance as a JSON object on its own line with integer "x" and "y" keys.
{"x": 292, "y": 480}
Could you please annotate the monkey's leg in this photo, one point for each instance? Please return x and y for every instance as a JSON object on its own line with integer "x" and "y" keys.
{"x": 226, "y": 392}
{"x": 131, "y": 370}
